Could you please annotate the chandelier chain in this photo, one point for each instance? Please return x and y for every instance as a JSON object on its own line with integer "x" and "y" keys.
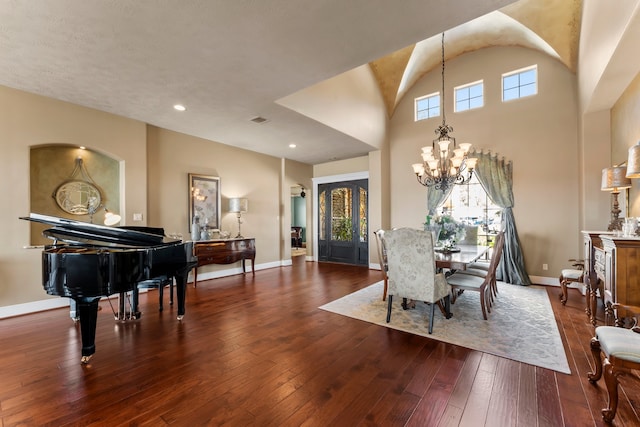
{"x": 443, "y": 109}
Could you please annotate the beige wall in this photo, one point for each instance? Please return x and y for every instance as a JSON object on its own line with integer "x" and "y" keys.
{"x": 539, "y": 134}
{"x": 172, "y": 156}
{"x": 28, "y": 120}
{"x": 625, "y": 132}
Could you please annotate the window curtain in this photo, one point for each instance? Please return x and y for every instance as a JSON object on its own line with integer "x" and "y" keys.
{"x": 436, "y": 198}
{"x": 496, "y": 177}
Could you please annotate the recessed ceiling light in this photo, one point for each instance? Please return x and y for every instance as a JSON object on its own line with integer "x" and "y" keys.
{"x": 292, "y": 145}
{"x": 259, "y": 120}
{"x": 82, "y": 147}
{"x": 179, "y": 107}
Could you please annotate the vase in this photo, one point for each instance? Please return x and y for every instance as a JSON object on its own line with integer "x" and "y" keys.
{"x": 435, "y": 232}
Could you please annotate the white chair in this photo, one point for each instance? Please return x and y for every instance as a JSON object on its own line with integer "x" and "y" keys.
{"x": 411, "y": 271}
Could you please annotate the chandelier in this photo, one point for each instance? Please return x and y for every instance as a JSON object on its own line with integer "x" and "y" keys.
{"x": 444, "y": 163}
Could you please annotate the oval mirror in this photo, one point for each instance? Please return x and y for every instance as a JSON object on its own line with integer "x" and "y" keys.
{"x": 78, "y": 197}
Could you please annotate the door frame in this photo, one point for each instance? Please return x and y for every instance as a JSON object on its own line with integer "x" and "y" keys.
{"x": 328, "y": 180}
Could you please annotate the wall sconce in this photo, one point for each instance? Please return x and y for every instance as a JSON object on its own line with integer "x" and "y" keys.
{"x": 615, "y": 179}
{"x": 238, "y": 206}
{"x": 111, "y": 218}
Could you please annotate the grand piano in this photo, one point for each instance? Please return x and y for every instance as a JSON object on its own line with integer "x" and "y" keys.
{"x": 89, "y": 261}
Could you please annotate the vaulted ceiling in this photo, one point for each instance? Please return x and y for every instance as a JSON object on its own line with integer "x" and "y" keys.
{"x": 230, "y": 62}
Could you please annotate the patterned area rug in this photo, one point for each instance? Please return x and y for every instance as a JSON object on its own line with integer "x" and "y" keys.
{"x": 521, "y": 324}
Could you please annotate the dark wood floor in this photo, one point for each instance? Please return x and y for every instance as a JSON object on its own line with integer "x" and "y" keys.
{"x": 258, "y": 351}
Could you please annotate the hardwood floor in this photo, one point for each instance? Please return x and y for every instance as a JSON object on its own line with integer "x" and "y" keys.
{"x": 257, "y": 351}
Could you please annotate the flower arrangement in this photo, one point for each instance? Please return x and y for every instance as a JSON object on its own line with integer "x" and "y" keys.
{"x": 450, "y": 229}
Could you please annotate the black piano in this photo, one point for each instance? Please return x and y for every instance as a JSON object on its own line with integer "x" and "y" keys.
{"x": 90, "y": 261}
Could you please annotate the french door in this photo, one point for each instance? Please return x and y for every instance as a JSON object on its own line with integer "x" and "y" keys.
{"x": 342, "y": 222}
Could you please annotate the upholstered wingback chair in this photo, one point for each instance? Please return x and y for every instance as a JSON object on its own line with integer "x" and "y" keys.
{"x": 411, "y": 271}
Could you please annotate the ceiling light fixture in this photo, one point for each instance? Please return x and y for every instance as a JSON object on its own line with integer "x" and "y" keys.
{"x": 292, "y": 145}
{"x": 179, "y": 107}
{"x": 444, "y": 163}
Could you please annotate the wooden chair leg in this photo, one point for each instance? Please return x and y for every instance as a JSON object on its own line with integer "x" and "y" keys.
{"x": 482, "y": 303}
{"x": 384, "y": 292}
{"x": 611, "y": 380}
{"x": 563, "y": 290}
{"x": 597, "y": 361}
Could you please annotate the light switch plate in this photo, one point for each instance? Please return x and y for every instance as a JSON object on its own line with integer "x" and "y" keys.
{"x": 137, "y": 217}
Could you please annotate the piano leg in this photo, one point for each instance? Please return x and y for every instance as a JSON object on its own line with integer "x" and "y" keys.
{"x": 181, "y": 291}
{"x": 73, "y": 310}
{"x": 88, "y": 310}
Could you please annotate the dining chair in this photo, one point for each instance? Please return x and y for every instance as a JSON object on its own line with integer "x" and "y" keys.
{"x": 470, "y": 235}
{"x": 571, "y": 275}
{"x": 460, "y": 281}
{"x": 382, "y": 258}
{"x": 481, "y": 269}
{"x": 411, "y": 270}
{"x": 621, "y": 349}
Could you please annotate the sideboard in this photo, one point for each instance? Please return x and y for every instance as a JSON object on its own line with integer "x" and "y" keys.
{"x": 593, "y": 258}
{"x": 225, "y": 251}
{"x": 617, "y": 264}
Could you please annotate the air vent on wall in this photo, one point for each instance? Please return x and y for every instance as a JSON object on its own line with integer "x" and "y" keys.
{"x": 259, "y": 120}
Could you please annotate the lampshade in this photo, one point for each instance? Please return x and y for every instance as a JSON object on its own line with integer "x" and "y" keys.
{"x": 615, "y": 179}
{"x": 238, "y": 205}
{"x": 111, "y": 218}
{"x": 633, "y": 162}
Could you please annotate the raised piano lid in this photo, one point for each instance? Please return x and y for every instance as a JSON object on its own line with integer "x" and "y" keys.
{"x": 77, "y": 232}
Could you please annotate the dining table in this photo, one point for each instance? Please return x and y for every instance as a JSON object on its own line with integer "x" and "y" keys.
{"x": 459, "y": 259}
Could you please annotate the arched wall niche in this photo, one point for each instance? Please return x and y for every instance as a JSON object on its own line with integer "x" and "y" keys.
{"x": 51, "y": 165}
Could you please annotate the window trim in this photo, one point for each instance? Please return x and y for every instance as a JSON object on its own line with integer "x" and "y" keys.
{"x": 468, "y": 100}
{"x": 519, "y": 71}
{"x": 420, "y": 98}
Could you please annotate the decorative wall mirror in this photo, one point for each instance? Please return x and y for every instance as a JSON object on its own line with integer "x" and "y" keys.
{"x": 78, "y": 195}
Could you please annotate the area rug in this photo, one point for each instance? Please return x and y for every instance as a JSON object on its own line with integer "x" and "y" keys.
{"x": 521, "y": 324}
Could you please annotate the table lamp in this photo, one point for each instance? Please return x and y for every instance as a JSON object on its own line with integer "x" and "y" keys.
{"x": 614, "y": 179}
{"x": 238, "y": 206}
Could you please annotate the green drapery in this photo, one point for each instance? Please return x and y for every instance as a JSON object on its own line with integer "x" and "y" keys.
{"x": 496, "y": 177}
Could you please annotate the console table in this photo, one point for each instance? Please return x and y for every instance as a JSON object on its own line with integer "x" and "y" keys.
{"x": 617, "y": 264}
{"x": 593, "y": 260}
{"x": 225, "y": 251}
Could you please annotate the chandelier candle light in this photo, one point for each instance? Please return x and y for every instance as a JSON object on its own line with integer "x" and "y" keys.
{"x": 444, "y": 163}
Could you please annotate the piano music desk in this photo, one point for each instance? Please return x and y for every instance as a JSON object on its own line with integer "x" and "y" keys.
{"x": 224, "y": 251}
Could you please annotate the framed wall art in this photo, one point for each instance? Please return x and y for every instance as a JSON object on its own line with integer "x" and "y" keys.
{"x": 204, "y": 200}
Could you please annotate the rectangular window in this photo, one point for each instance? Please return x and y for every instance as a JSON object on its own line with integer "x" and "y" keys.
{"x": 427, "y": 106}
{"x": 520, "y": 83}
{"x": 469, "y": 96}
